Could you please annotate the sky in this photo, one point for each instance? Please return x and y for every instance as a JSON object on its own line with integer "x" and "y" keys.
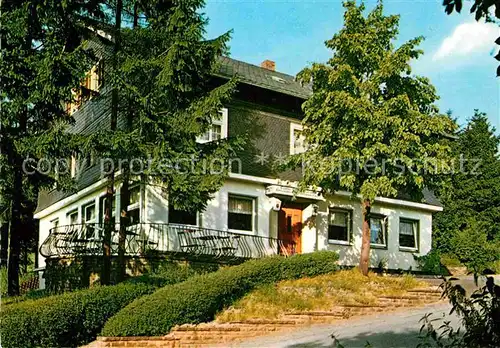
{"x": 458, "y": 50}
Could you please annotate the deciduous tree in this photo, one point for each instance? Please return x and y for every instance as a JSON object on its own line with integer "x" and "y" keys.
{"x": 368, "y": 109}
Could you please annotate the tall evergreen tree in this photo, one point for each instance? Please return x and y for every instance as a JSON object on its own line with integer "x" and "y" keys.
{"x": 472, "y": 198}
{"x": 163, "y": 97}
{"x": 43, "y": 59}
{"x": 368, "y": 108}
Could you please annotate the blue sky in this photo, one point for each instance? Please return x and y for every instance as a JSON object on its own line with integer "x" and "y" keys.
{"x": 457, "y": 56}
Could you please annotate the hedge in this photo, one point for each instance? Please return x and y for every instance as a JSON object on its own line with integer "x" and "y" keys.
{"x": 199, "y": 298}
{"x": 73, "y": 319}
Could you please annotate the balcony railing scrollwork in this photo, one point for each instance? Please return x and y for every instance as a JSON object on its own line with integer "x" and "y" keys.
{"x": 159, "y": 238}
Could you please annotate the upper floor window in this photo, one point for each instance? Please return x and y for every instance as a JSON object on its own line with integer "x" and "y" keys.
{"x": 241, "y": 213}
{"x": 339, "y": 226}
{"x": 297, "y": 139}
{"x": 217, "y": 130}
{"x": 91, "y": 83}
{"x": 378, "y": 230}
{"x": 408, "y": 234}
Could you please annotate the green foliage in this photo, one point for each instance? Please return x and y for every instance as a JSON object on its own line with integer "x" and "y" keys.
{"x": 472, "y": 248}
{"x": 471, "y": 216}
{"x": 367, "y": 108}
{"x": 200, "y": 298}
{"x": 162, "y": 74}
{"x": 75, "y": 318}
{"x": 480, "y": 319}
{"x": 431, "y": 263}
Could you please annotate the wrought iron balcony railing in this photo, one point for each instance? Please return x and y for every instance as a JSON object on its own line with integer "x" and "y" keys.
{"x": 144, "y": 239}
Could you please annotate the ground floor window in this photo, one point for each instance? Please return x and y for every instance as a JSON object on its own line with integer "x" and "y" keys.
{"x": 133, "y": 208}
{"x": 241, "y": 213}
{"x": 378, "y": 230}
{"x": 408, "y": 233}
{"x": 54, "y": 224}
{"x": 72, "y": 217}
{"x": 103, "y": 206}
{"x": 181, "y": 217}
{"x": 339, "y": 222}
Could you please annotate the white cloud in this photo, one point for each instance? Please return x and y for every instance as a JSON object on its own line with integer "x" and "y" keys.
{"x": 468, "y": 38}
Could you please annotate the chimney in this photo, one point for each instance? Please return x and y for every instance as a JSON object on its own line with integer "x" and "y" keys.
{"x": 268, "y": 64}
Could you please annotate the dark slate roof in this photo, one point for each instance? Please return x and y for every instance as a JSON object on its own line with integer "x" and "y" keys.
{"x": 256, "y": 76}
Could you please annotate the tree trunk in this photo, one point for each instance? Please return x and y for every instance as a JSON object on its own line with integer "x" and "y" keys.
{"x": 4, "y": 243}
{"x": 108, "y": 223}
{"x": 364, "y": 261}
{"x": 14, "y": 235}
{"x": 124, "y": 222}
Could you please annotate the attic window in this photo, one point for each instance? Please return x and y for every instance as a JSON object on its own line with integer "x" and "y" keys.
{"x": 278, "y": 79}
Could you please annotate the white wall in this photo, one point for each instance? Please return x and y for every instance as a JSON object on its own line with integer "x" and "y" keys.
{"x": 154, "y": 208}
{"x": 349, "y": 254}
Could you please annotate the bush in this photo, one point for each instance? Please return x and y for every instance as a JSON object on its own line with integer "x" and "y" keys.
{"x": 431, "y": 263}
{"x": 201, "y": 297}
{"x": 473, "y": 249}
{"x": 479, "y": 318}
{"x": 73, "y": 319}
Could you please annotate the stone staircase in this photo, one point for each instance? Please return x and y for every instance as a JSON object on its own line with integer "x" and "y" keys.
{"x": 214, "y": 333}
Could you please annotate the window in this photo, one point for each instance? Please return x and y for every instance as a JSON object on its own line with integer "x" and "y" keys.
{"x": 89, "y": 213}
{"x": 181, "y": 217}
{"x": 408, "y": 234}
{"x": 297, "y": 139}
{"x": 73, "y": 166}
{"x": 72, "y": 217}
{"x": 102, "y": 209}
{"x": 241, "y": 213}
{"x": 134, "y": 209}
{"x": 339, "y": 225}
{"x": 89, "y": 218}
{"x": 91, "y": 84}
{"x": 378, "y": 230}
{"x": 217, "y": 130}
{"x": 54, "y": 223}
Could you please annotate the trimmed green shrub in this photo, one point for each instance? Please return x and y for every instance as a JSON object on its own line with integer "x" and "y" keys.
{"x": 199, "y": 298}
{"x": 75, "y": 318}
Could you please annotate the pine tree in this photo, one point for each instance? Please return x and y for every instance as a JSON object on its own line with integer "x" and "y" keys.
{"x": 368, "y": 108}
{"x": 160, "y": 74}
{"x": 472, "y": 199}
{"x": 43, "y": 59}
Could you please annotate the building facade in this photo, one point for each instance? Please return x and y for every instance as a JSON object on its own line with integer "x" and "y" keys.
{"x": 257, "y": 211}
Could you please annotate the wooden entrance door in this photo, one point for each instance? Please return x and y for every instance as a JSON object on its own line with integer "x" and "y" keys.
{"x": 290, "y": 228}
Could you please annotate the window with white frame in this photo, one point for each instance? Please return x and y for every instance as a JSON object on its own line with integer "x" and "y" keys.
{"x": 103, "y": 205}
{"x": 378, "y": 230}
{"x": 408, "y": 234}
{"x": 217, "y": 130}
{"x": 339, "y": 225}
{"x": 134, "y": 209}
{"x": 241, "y": 213}
{"x": 54, "y": 224}
{"x": 89, "y": 218}
{"x": 72, "y": 217}
{"x": 297, "y": 139}
{"x": 89, "y": 215}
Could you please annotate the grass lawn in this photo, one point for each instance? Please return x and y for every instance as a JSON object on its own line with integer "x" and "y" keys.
{"x": 320, "y": 293}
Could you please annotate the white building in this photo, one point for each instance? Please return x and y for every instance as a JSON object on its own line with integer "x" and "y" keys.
{"x": 255, "y": 213}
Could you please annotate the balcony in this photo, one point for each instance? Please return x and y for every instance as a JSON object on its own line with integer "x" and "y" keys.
{"x": 147, "y": 239}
